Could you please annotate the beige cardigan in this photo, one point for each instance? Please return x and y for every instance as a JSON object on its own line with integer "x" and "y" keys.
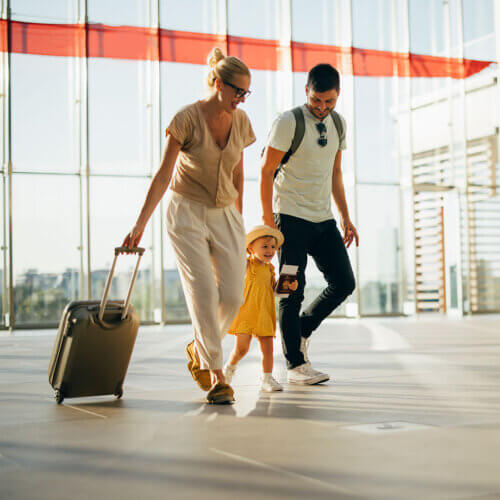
{"x": 204, "y": 171}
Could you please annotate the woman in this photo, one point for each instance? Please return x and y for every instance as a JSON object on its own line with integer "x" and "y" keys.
{"x": 206, "y": 139}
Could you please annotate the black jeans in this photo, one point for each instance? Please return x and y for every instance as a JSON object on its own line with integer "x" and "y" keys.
{"x": 323, "y": 242}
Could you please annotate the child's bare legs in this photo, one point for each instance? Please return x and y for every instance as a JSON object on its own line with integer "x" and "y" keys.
{"x": 269, "y": 384}
{"x": 266, "y": 347}
{"x": 241, "y": 346}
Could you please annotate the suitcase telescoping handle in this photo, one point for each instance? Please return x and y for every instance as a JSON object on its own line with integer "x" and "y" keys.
{"x": 118, "y": 251}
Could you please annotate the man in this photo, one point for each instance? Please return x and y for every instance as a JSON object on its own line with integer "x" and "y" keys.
{"x": 301, "y": 204}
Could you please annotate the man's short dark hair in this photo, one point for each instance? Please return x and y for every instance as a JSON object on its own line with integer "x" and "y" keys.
{"x": 323, "y": 77}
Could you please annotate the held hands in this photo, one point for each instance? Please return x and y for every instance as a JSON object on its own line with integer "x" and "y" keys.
{"x": 134, "y": 237}
{"x": 350, "y": 232}
{"x": 268, "y": 220}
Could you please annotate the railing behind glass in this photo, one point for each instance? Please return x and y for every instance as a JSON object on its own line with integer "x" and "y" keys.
{"x": 483, "y": 205}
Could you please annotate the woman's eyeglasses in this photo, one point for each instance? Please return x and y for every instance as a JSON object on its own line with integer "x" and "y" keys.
{"x": 322, "y": 140}
{"x": 240, "y": 93}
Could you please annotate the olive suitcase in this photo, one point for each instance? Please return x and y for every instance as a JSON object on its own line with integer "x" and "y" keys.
{"x": 94, "y": 343}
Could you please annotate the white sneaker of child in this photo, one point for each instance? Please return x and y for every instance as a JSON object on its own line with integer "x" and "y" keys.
{"x": 229, "y": 371}
{"x": 270, "y": 384}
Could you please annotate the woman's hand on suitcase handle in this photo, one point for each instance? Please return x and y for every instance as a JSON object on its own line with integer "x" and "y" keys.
{"x": 134, "y": 237}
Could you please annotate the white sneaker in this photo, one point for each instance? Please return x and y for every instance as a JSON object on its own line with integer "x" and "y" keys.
{"x": 304, "y": 345}
{"x": 305, "y": 375}
{"x": 270, "y": 384}
{"x": 229, "y": 371}
{"x": 317, "y": 372}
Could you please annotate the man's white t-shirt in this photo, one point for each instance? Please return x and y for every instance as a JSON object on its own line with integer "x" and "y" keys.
{"x": 303, "y": 186}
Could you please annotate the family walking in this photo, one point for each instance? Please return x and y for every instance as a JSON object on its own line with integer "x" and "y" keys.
{"x": 227, "y": 275}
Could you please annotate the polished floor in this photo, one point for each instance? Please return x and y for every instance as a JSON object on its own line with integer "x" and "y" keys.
{"x": 412, "y": 412}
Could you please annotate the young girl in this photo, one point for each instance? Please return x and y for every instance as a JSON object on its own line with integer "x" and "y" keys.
{"x": 257, "y": 316}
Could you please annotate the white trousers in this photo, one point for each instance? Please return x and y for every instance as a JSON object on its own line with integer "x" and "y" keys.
{"x": 209, "y": 245}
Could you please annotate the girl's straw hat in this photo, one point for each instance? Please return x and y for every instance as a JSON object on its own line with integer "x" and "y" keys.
{"x": 261, "y": 231}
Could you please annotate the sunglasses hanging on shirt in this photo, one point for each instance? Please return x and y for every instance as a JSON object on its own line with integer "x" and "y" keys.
{"x": 321, "y": 128}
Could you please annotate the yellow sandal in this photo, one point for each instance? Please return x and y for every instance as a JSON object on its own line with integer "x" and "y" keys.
{"x": 201, "y": 377}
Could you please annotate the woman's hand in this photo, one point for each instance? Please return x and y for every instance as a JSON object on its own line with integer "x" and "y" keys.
{"x": 134, "y": 237}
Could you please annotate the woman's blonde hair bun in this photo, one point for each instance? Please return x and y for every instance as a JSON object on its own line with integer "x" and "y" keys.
{"x": 224, "y": 67}
{"x": 215, "y": 56}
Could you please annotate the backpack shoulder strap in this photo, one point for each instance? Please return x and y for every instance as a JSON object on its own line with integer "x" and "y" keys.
{"x": 300, "y": 129}
{"x": 338, "y": 125}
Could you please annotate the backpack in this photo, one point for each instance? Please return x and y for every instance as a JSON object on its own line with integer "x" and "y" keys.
{"x": 300, "y": 130}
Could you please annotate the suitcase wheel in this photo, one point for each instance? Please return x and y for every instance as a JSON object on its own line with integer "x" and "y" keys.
{"x": 59, "y": 397}
{"x": 119, "y": 393}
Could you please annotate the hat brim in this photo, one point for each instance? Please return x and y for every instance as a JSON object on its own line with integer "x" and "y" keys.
{"x": 262, "y": 231}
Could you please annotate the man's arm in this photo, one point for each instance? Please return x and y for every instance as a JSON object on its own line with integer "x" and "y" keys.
{"x": 338, "y": 193}
{"x": 270, "y": 162}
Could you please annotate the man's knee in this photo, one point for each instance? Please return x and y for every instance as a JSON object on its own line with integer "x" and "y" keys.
{"x": 349, "y": 286}
{"x": 344, "y": 287}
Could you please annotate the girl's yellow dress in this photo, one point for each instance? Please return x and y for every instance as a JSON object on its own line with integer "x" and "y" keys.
{"x": 257, "y": 315}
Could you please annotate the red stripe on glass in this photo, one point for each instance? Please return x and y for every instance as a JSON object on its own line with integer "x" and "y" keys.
{"x": 136, "y": 43}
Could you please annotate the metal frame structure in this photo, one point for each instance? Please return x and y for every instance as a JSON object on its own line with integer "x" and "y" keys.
{"x": 154, "y": 105}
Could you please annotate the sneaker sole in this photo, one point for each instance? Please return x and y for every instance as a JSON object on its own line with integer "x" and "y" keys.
{"x": 220, "y": 401}
{"x": 311, "y": 381}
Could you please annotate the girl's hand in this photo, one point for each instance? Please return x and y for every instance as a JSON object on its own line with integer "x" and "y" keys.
{"x": 134, "y": 237}
{"x": 293, "y": 285}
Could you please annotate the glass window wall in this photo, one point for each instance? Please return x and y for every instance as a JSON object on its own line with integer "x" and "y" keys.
{"x": 479, "y": 30}
{"x": 34, "y": 11}
{"x": 119, "y": 142}
{"x": 118, "y": 12}
{"x": 202, "y": 16}
{"x": 114, "y": 206}
{"x": 379, "y": 260}
{"x": 46, "y": 241}
{"x": 372, "y": 24}
{"x": 322, "y": 24}
{"x": 44, "y": 133}
{"x": 375, "y": 130}
{"x": 398, "y": 126}
{"x": 4, "y": 266}
{"x": 428, "y": 36}
{"x": 258, "y": 22}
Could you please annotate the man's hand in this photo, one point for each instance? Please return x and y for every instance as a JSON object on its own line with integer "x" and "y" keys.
{"x": 350, "y": 232}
